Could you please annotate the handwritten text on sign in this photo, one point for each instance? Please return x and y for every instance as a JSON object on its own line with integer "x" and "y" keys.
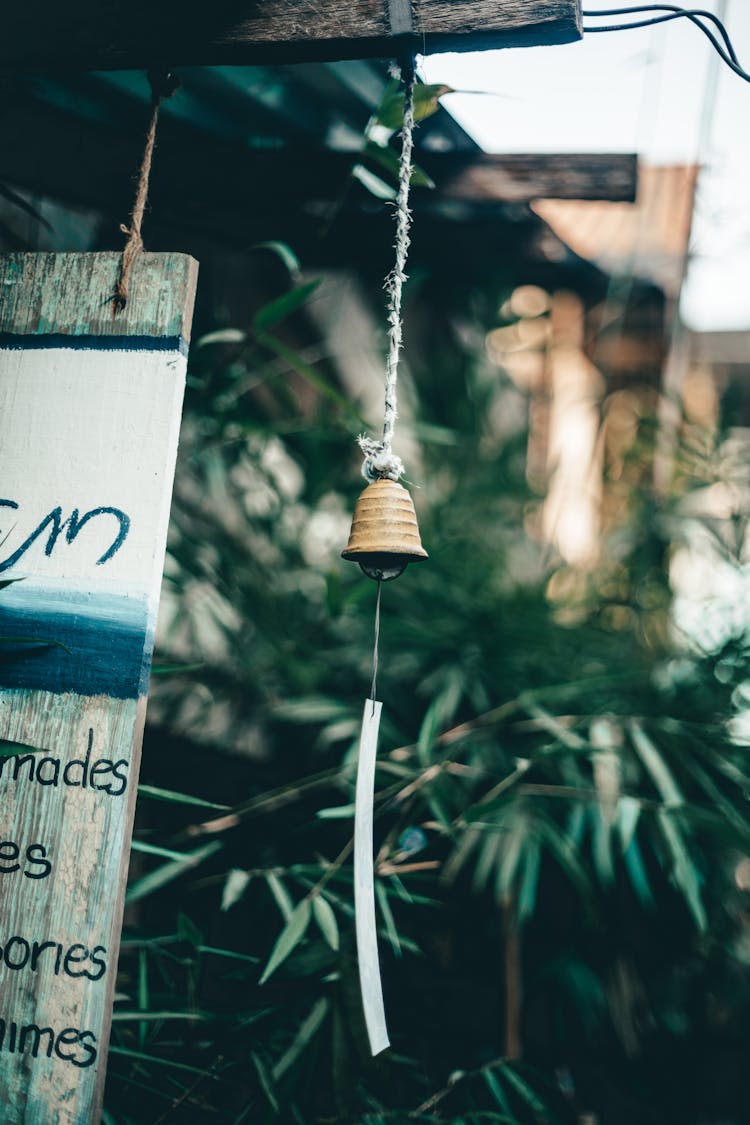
{"x": 89, "y": 438}
{"x": 26, "y": 954}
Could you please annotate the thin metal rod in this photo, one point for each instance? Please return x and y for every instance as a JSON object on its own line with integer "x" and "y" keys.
{"x": 375, "y": 647}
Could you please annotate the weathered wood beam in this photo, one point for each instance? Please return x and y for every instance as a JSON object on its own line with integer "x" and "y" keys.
{"x": 481, "y": 177}
{"x": 298, "y": 174}
{"x": 91, "y": 35}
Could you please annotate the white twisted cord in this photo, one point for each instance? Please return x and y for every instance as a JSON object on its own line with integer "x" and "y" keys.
{"x": 380, "y": 461}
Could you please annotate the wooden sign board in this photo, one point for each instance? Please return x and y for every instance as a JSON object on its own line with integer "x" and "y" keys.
{"x": 90, "y": 411}
{"x": 90, "y": 35}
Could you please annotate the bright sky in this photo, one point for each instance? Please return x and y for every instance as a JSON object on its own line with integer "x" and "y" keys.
{"x": 646, "y": 91}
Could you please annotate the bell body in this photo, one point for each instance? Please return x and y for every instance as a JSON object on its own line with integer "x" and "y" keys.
{"x": 384, "y": 537}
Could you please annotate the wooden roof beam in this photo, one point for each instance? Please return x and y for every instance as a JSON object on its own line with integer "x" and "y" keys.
{"x": 91, "y": 35}
{"x": 480, "y": 177}
{"x": 79, "y": 161}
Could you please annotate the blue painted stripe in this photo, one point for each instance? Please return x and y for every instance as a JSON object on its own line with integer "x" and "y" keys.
{"x": 21, "y": 341}
{"x": 102, "y": 645}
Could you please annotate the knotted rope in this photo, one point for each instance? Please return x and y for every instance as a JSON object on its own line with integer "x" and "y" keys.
{"x": 380, "y": 460}
{"x": 162, "y": 87}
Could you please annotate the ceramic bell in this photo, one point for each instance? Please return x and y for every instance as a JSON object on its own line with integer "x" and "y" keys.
{"x": 385, "y": 537}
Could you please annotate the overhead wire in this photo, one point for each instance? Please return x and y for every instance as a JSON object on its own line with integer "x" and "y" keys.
{"x": 672, "y": 12}
{"x": 695, "y": 15}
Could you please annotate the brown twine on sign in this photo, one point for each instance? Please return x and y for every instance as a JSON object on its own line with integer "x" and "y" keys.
{"x": 162, "y": 87}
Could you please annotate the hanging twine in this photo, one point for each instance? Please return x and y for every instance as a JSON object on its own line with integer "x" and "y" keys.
{"x": 380, "y": 460}
{"x": 162, "y": 87}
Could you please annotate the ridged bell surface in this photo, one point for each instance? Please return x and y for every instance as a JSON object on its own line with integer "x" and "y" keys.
{"x": 385, "y": 535}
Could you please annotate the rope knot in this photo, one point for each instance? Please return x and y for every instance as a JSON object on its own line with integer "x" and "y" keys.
{"x": 380, "y": 462}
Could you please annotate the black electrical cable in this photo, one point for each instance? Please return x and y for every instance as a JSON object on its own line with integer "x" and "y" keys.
{"x": 695, "y": 15}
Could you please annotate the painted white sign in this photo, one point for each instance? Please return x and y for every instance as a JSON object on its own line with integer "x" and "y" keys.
{"x": 87, "y": 451}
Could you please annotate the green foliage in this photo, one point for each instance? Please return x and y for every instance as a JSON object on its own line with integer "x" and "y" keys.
{"x": 557, "y": 762}
{"x": 9, "y": 749}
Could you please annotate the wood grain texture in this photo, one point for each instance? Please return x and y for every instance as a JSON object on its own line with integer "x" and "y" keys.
{"x": 78, "y": 907}
{"x": 70, "y": 294}
{"x": 89, "y": 441}
{"x": 86, "y": 34}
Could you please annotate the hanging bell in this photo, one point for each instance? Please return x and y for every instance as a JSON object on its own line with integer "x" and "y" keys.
{"x": 384, "y": 537}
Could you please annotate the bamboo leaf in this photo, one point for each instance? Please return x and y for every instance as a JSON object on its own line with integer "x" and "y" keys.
{"x": 306, "y": 371}
{"x": 636, "y": 869}
{"x": 10, "y": 749}
{"x": 489, "y": 805}
{"x": 306, "y": 1032}
{"x": 231, "y": 953}
{"x": 29, "y": 644}
{"x": 178, "y": 798}
{"x": 281, "y": 895}
{"x": 684, "y": 872}
{"x": 602, "y": 845}
{"x": 187, "y": 931}
{"x": 628, "y": 815}
{"x": 168, "y": 872}
{"x": 283, "y": 252}
{"x": 428, "y": 732}
{"x": 266, "y": 1081}
{"x": 529, "y": 878}
{"x": 337, "y": 812}
{"x": 311, "y": 709}
{"x": 289, "y": 938}
{"x": 23, "y": 204}
{"x": 390, "y": 923}
{"x": 522, "y": 1088}
{"x": 158, "y": 1060}
{"x": 554, "y": 726}
{"x": 377, "y": 187}
{"x": 566, "y": 854}
{"x": 276, "y": 311}
{"x": 237, "y": 882}
{"x": 656, "y": 766}
{"x": 8, "y": 581}
{"x": 221, "y": 336}
{"x": 143, "y": 994}
{"x": 495, "y": 1088}
{"x": 176, "y": 669}
{"x": 326, "y": 920}
{"x": 514, "y": 842}
{"x": 387, "y": 158}
{"x": 157, "y": 1016}
{"x": 490, "y": 855}
{"x": 155, "y": 849}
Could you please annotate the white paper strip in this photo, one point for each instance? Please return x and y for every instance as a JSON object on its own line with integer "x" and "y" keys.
{"x": 364, "y": 885}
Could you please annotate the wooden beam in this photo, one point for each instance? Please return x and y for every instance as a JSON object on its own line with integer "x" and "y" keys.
{"x": 90, "y": 411}
{"x": 297, "y": 175}
{"x": 479, "y": 177}
{"x": 199, "y": 181}
{"x": 91, "y": 35}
